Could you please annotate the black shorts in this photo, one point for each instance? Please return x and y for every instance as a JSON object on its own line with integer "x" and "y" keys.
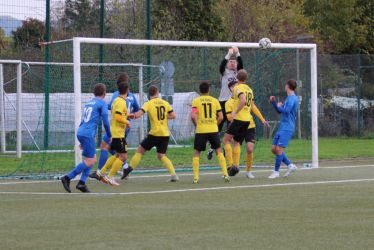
{"x": 238, "y": 129}
{"x": 202, "y": 139}
{"x": 250, "y": 135}
{"x": 119, "y": 145}
{"x": 160, "y": 142}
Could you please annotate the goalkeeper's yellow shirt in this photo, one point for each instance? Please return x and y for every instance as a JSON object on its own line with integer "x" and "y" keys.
{"x": 118, "y": 107}
{"x": 158, "y": 111}
{"x": 207, "y": 108}
{"x": 229, "y": 107}
{"x": 245, "y": 113}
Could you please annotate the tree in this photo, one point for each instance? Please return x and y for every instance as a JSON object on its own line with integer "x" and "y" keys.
{"x": 345, "y": 26}
{"x": 29, "y": 34}
{"x": 187, "y": 20}
{"x": 250, "y": 20}
{"x": 2, "y": 38}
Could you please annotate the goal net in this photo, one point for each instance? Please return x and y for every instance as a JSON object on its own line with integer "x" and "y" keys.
{"x": 177, "y": 68}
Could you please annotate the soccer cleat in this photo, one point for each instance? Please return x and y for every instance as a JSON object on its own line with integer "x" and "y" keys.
{"x": 126, "y": 172}
{"x": 226, "y": 178}
{"x": 83, "y": 188}
{"x": 209, "y": 155}
{"x": 112, "y": 182}
{"x": 233, "y": 170}
{"x": 174, "y": 178}
{"x": 66, "y": 183}
{"x": 94, "y": 175}
{"x": 195, "y": 181}
{"x": 291, "y": 168}
{"x": 274, "y": 175}
{"x": 249, "y": 175}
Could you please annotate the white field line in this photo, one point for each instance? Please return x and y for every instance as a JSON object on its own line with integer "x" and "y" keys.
{"x": 198, "y": 189}
{"x": 191, "y": 174}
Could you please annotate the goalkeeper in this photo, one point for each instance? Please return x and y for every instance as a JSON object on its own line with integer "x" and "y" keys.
{"x": 229, "y": 67}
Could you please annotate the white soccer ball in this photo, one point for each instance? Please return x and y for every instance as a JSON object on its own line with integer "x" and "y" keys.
{"x": 265, "y": 43}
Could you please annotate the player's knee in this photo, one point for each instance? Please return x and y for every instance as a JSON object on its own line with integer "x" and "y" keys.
{"x": 89, "y": 161}
{"x": 159, "y": 156}
{"x": 104, "y": 146}
{"x": 273, "y": 150}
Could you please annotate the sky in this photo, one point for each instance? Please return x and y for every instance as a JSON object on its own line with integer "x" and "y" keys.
{"x": 22, "y": 9}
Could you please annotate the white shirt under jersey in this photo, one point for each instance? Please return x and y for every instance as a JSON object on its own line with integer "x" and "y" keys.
{"x": 227, "y": 77}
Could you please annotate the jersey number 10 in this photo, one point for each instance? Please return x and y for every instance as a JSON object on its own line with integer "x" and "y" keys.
{"x": 161, "y": 113}
{"x": 87, "y": 114}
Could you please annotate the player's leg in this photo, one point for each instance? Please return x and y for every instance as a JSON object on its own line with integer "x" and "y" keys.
{"x": 104, "y": 153}
{"x": 196, "y": 166}
{"x": 290, "y": 166}
{"x": 250, "y": 140}
{"x": 125, "y": 165}
{"x": 161, "y": 144}
{"x": 216, "y": 145}
{"x": 88, "y": 146}
{"x": 117, "y": 164}
{"x": 146, "y": 145}
{"x": 220, "y": 127}
{"x": 281, "y": 141}
{"x": 275, "y": 149}
{"x": 89, "y": 162}
{"x": 200, "y": 142}
{"x": 227, "y": 138}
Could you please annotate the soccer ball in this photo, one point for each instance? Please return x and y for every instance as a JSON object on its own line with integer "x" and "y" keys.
{"x": 265, "y": 43}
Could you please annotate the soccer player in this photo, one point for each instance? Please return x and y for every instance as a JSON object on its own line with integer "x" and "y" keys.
{"x": 159, "y": 112}
{"x": 288, "y": 111}
{"x": 206, "y": 115}
{"x": 241, "y": 117}
{"x": 250, "y": 135}
{"x": 228, "y": 69}
{"x": 118, "y": 126}
{"x": 132, "y": 106}
{"x": 94, "y": 110}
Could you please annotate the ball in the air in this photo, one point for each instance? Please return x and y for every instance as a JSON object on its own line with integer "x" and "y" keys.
{"x": 265, "y": 43}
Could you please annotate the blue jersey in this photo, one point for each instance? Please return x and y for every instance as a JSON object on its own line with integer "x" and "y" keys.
{"x": 288, "y": 113}
{"x": 131, "y": 102}
{"x": 94, "y": 110}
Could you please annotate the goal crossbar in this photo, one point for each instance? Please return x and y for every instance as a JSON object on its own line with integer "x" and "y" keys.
{"x": 77, "y": 41}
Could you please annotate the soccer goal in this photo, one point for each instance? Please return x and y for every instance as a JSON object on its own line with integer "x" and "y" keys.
{"x": 177, "y": 68}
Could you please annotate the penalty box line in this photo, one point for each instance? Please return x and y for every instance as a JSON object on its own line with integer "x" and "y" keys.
{"x": 196, "y": 189}
{"x": 191, "y": 174}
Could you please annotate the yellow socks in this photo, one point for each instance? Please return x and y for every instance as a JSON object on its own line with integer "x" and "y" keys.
{"x": 222, "y": 163}
{"x": 236, "y": 155}
{"x": 195, "y": 167}
{"x": 135, "y": 160}
{"x": 108, "y": 164}
{"x": 228, "y": 153}
{"x": 117, "y": 164}
{"x": 249, "y": 161}
{"x": 168, "y": 165}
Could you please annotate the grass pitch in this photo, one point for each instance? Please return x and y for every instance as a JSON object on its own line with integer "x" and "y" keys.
{"x": 326, "y": 208}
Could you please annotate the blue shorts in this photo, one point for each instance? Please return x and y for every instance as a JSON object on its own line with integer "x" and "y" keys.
{"x": 88, "y": 145}
{"x": 282, "y": 138}
{"x": 106, "y": 139}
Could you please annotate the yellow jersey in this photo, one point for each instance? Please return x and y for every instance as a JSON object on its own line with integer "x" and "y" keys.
{"x": 158, "y": 111}
{"x": 207, "y": 108}
{"x": 229, "y": 107}
{"x": 118, "y": 107}
{"x": 245, "y": 113}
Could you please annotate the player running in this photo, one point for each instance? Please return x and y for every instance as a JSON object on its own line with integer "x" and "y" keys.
{"x": 250, "y": 135}
{"x": 241, "y": 118}
{"x": 159, "y": 112}
{"x": 132, "y": 106}
{"x": 206, "y": 115}
{"x": 288, "y": 111}
{"x": 118, "y": 126}
{"x": 94, "y": 110}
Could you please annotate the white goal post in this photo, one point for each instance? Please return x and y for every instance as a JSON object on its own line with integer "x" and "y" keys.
{"x": 77, "y": 41}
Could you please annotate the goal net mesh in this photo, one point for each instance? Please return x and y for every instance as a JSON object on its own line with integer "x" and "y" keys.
{"x": 48, "y": 127}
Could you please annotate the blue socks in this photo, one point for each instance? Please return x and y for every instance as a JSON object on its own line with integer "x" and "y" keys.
{"x": 279, "y": 159}
{"x": 278, "y": 162}
{"x": 77, "y": 170}
{"x": 103, "y": 158}
{"x": 85, "y": 174}
{"x": 286, "y": 160}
